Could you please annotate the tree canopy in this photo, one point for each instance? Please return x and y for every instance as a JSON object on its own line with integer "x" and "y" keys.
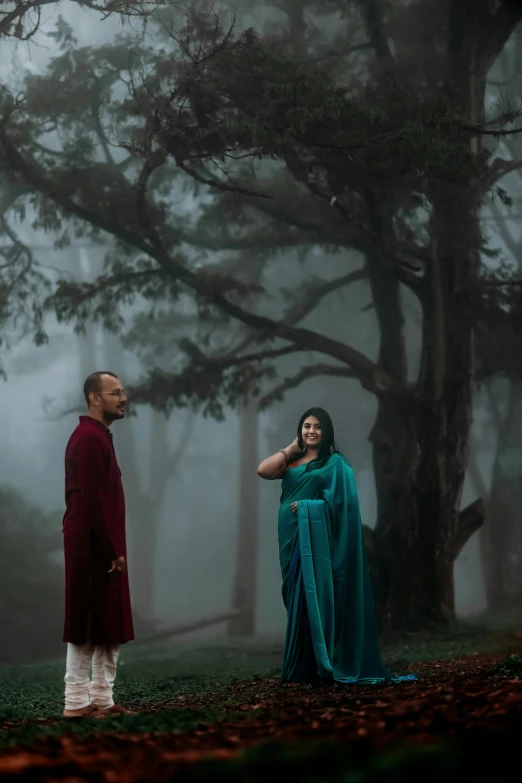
{"x": 21, "y": 19}
{"x": 300, "y": 144}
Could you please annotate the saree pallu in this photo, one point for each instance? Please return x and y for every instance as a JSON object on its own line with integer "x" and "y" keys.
{"x": 331, "y": 632}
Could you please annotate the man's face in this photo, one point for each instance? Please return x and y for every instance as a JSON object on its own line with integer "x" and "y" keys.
{"x": 111, "y": 398}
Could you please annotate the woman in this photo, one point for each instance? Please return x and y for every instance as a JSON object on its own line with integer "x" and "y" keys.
{"x": 331, "y": 632}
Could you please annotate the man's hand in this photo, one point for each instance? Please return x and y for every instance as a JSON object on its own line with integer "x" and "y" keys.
{"x": 118, "y": 565}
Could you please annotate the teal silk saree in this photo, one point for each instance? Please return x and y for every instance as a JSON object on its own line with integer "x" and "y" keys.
{"x": 331, "y": 633}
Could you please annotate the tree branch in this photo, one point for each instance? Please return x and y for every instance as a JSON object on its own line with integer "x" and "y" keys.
{"x": 405, "y": 271}
{"x": 374, "y": 25}
{"x": 514, "y": 247}
{"x": 317, "y": 292}
{"x": 217, "y": 184}
{"x": 228, "y": 361}
{"x": 257, "y": 240}
{"x": 470, "y": 520}
{"x": 498, "y": 30}
{"x": 483, "y": 130}
{"x": 333, "y": 53}
{"x": 370, "y": 374}
{"x": 312, "y": 371}
{"x": 295, "y": 206}
{"x": 15, "y": 17}
{"x": 477, "y": 478}
{"x": 498, "y": 169}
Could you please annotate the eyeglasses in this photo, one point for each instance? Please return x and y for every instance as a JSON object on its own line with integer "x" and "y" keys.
{"x": 118, "y": 393}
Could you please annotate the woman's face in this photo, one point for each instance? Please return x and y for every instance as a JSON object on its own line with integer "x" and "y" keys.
{"x": 311, "y": 432}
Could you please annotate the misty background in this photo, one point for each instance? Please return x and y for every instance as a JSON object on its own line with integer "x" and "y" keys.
{"x": 195, "y": 537}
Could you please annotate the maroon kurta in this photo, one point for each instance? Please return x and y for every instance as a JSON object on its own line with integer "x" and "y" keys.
{"x": 97, "y": 604}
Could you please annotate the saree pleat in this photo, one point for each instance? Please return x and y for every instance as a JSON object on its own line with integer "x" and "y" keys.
{"x": 331, "y": 631}
{"x": 300, "y": 658}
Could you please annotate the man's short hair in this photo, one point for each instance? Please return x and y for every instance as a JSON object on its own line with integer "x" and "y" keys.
{"x": 93, "y": 383}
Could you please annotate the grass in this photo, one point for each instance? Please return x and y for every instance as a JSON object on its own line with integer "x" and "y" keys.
{"x": 184, "y": 682}
{"x": 510, "y": 667}
{"x": 148, "y": 677}
{"x": 455, "y": 640}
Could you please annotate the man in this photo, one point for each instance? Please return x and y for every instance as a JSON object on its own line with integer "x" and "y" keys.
{"x": 98, "y": 616}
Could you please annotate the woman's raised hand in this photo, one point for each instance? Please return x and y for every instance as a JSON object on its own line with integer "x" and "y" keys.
{"x": 294, "y": 447}
{"x": 271, "y": 467}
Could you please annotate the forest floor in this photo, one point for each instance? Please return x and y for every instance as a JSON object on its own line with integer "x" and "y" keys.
{"x": 217, "y": 710}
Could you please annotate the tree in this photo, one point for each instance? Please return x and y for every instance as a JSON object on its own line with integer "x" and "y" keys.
{"x": 500, "y": 348}
{"x": 149, "y": 338}
{"x": 28, "y": 536}
{"x": 21, "y": 275}
{"x": 246, "y": 574}
{"x": 375, "y": 166}
{"x": 146, "y": 490}
{"x": 20, "y": 19}
{"x": 501, "y": 536}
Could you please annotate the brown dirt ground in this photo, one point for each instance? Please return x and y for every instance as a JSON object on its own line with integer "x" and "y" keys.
{"x": 450, "y": 696}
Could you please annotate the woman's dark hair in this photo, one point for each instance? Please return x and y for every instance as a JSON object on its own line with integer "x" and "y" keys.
{"x": 328, "y": 445}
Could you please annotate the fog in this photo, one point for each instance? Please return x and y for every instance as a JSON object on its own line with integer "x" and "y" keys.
{"x": 195, "y": 548}
{"x": 195, "y": 557}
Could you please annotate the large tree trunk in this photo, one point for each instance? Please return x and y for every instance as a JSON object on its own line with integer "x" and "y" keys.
{"x": 420, "y": 463}
{"x": 246, "y": 570}
{"x": 420, "y": 531}
{"x": 501, "y": 536}
{"x": 388, "y": 432}
{"x": 421, "y": 435}
{"x": 420, "y": 451}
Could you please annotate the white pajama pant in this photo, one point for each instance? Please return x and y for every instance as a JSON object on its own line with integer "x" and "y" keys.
{"x": 82, "y": 690}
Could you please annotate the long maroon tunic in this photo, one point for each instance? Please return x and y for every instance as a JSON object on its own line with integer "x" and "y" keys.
{"x": 97, "y": 604}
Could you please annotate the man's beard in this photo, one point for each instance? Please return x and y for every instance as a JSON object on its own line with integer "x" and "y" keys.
{"x": 115, "y": 415}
